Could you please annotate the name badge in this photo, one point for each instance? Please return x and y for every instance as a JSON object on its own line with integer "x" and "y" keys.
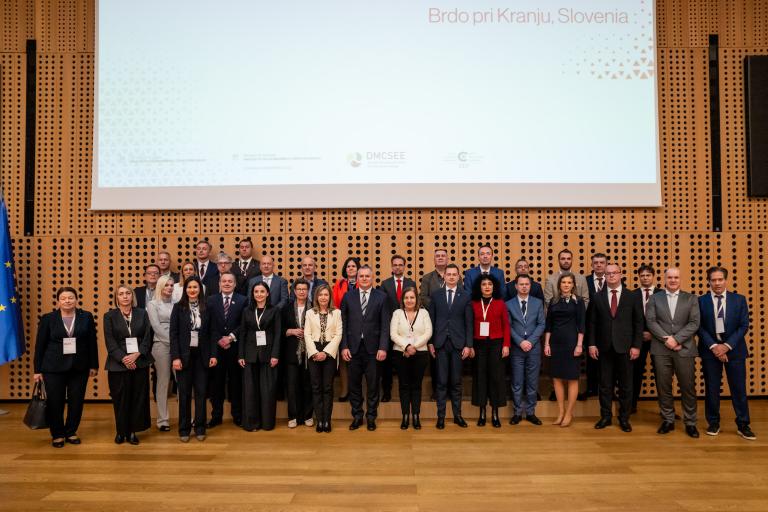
{"x": 485, "y": 328}
{"x": 70, "y": 346}
{"x": 131, "y": 345}
{"x": 193, "y": 339}
{"x": 261, "y": 338}
{"x": 719, "y": 325}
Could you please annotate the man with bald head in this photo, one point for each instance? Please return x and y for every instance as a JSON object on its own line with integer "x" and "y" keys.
{"x": 673, "y": 319}
{"x": 278, "y": 286}
{"x": 308, "y": 272}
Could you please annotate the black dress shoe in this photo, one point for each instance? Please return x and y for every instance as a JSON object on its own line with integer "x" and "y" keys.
{"x": 481, "y": 418}
{"x": 387, "y": 397}
{"x": 371, "y": 425}
{"x": 404, "y": 423}
{"x": 164, "y": 428}
{"x": 132, "y": 439}
{"x": 625, "y": 426}
{"x": 237, "y": 421}
{"x": 416, "y": 422}
{"x": 665, "y": 428}
{"x": 73, "y": 440}
{"x": 58, "y": 443}
{"x": 214, "y": 422}
{"x": 356, "y": 424}
{"x": 458, "y": 420}
{"x": 440, "y": 423}
{"x": 320, "y": 427}
{"x": 344, "y": 398}
{"x": 602, "y": 423}
{"x": 514, "y": 420}
{"x": 532, "y": 418}
{"x": 495, "y": 421}
{"x": 692, "y": 431}
{"x": 119, "y": 439}
{"x": 328, "y": 426}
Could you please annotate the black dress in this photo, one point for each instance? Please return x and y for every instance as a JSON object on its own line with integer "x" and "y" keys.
{"x": 565, "y": 320}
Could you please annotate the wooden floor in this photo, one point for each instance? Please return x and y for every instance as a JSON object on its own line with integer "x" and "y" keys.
{"x": 514, "y": 468}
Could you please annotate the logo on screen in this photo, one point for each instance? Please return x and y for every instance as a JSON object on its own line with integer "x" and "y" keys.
{"x": 355, "y": 159}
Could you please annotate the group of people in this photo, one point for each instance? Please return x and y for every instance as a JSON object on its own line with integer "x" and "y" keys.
{"x": 225, "y": 329}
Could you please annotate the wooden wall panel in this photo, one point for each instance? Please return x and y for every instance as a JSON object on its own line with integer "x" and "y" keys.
{"x": 94, "y": 251}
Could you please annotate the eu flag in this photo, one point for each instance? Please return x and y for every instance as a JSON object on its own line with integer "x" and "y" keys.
{"x": 12, "y": 343}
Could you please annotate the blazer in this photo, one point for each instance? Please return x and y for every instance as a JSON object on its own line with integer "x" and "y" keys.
{"x": 389, "y": 287}
{"x": 498, "y": 318}
{"x": 243, "y": 278}
{"x": 532, "y": 326}
{"x": 278, "y": 291}
{"x": 683, "y": 326}
{"x": 291, "y": 344}
{"x": 430, "y": 283}
{"x": 141, "y": 296}
{"x": 471, "y": 275}
{"x": 211, "y": 279}
{"x": 339, "y": 290}
{"x": 736, "y": 326}
{"x": 451, "y": 324}
{"x": 49, "y": 346}
{"x": 536, "y": 290}
{"x": 333, "y": 332}
{"x": 271, "y": 323}
{"x": 552, "y": 293}
{"x": 115, "y": 333}
{"x": 180, "y": 333}
{"x": 216, "y": 326}
{"x": 401, "y": 333}
{"x": 371, "y": 329}
{"x": 621, "y": 333}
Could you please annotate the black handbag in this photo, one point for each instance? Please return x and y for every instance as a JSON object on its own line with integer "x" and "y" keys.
{"x": 35, "y": 416}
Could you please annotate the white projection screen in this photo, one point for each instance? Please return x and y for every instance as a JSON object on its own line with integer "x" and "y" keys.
{"x": 247, "y": 104}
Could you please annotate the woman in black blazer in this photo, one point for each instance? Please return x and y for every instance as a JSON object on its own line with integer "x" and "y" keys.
{"x": 294, "y": 358}
{"x": 64, "y": 367}
{"x": 259, "y": 353}
{"x": 191, "y": 356}
{"x": 128, "y": 337}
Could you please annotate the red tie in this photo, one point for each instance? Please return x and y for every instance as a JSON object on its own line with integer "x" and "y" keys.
{"x": 399, "y": 290}
{"x": 647, "y": 294}
{"x": 614, "y": 303}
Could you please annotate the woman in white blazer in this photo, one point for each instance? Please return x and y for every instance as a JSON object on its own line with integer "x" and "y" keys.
{"x": 322, "y": 335}
{"x": 410, "y": 330}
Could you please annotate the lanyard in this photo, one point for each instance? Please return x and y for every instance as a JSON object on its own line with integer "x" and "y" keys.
{"x": 485, "y": 309}
{"x": 71, "y": 329}
{"x": 258, "y": 318}
{"x": 414, "y": 319}
{"x": 128, "y": 321}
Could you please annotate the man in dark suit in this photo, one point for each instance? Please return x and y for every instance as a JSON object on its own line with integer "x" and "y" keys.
{"x": 393, "y": 287}
{"x": 595, "y": 283}
{"x": 278, "y": 286}
{"x": 724, "y": 323}
{"x": 145, "y": 293}
{"x": 615, "y": 333}
{"x": 222, "y": 328}
{"x": 523, "y": 267}
{"x": 308, "y": 272}
{"x": 245, "y": 267}
{"x": 647, "y": 276}
{"x": 485, "y": 266}
{"x": 452, "y": 319}
{"x": 163, "y": 261}
{"x": 205, "y": 268}
{"x": 364, "y": 345}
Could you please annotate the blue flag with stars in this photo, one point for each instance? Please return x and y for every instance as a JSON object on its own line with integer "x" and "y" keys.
{"x": 12, "y": 343}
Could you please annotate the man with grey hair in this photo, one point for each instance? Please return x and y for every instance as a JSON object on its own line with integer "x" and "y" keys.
{"x": 673, "y": 319}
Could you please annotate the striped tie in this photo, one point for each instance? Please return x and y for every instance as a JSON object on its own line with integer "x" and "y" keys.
{"x": 364, "y": 302}
{"x": 226, "y": 307}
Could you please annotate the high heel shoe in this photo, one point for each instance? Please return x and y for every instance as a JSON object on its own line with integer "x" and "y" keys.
{"x": 404, "y": 424}
{"x": 327, "y": 428}
{"x": 495, "y": 421}
{"x": 558, "y": 421}
{"x": 566, "y": 421}
{"x": 481, "y": 418}
{"x": 320, "y": 427}
{"x": 416, "y": 422}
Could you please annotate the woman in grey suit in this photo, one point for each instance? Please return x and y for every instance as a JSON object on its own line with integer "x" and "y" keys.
{"x": 128, "y": 336}
{"x": 159, "y": 311}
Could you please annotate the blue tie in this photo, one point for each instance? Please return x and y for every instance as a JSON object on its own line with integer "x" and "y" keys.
{"x": 450, "y": 298}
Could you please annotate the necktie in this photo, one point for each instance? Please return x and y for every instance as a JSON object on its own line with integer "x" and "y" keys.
{"x": 523, "y": 307}
{"x": 647, "y": 294}
{"x": 364, "y": 302}
{"x": 243, "y": 266}
{"x": 599, "y": 283}
{"x": 226, "y": 307}
{"x": 720, "y": 312}
{"x": 268, "y": 282}
{"x": 614, "y": 303}
{"x": 450, "y": 298}
{"x": 399, "y": 290}
{"x": 202, "y": 270}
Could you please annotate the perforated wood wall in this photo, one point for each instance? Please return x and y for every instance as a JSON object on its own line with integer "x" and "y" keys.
{"x": 94, "y": 251}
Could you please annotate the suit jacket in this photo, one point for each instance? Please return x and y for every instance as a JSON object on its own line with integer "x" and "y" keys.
{"x": 552, "y": 293}
{"x": 180, "y": 334}
{"x": 536, "y": 290}
{"x": 430, "y": 283}
{"x": 211, "y": 279}
{"x": 621, "y": 333}
{"x": 271, "y": 323}
{"x": 216, "y": 326}
{"x": 532, "y": 326}
{"x": 141, "y": 296}
{"x": 683, "y": 326}
{"x": 115, "y": 333}
{"x": 49, "y": 346}
{"x": 453, "y": 324}
{"x": 292, "y": 344}
{"x": 278, "y": 291}
{"x": 473, "y": 274}
{"x": 371, "y": 329}
{"x": 389, "y": 287}
{"x": 736, "y": 326}
{"x": 243, "y": 278}
{"x": 174, "y": 275}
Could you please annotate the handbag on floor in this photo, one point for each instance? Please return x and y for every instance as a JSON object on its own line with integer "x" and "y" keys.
{"x": 35, "y": 416}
